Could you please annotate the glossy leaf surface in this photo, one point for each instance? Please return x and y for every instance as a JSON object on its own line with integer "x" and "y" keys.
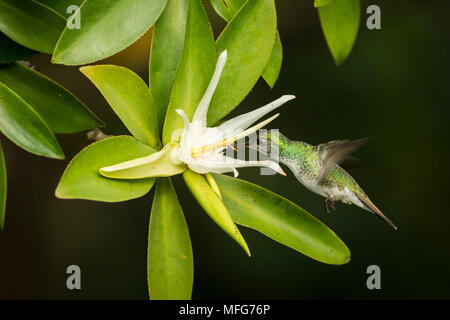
{"x": 213, "y": 206}
{"x": 340, "y": 23}
{"x": 82, "y": 179}
{"x": 129, "y": 97}
{"x": 22, "y": 125}
{"x": 167, "y": 45}
{"x": 60, "y": 109}
{"x": 227, "y": 9}
{"x": 107, "y": 27}
{"x": 282, "y": 220}
{"x": 194, "y": 71}
{"x": 170, "y": 264}
{"x": 31, "y": 24}
{"x": 249, "y": 38}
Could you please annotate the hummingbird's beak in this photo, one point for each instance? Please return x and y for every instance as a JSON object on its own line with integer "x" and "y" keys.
{"x": 382, "y": 216}
{"x": 371, "y": 207}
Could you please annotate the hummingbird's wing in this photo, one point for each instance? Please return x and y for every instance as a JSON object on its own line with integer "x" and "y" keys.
{"x": 334, "y": 152}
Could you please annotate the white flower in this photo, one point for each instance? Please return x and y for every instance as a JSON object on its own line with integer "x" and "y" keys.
{"x": 201, "y": 147}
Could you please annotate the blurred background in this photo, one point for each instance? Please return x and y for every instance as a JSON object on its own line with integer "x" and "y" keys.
{"x": 393, "y": 87}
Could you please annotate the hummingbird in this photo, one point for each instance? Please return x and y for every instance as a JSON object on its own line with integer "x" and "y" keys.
{"x": 318, "y": 168}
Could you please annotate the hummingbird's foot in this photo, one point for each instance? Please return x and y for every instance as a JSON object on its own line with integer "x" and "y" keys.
{"x": 329, "y": 201}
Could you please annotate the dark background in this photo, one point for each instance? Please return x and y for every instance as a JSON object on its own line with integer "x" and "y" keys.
{"x": 393, "y": 87}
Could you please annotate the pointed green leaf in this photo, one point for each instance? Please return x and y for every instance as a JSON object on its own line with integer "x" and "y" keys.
{"x": 61, "y": 110}
{"x": 22, "y": 125}
{"x": 107, "y": 27}
{"x": 158, "y": 164}
{"x": 194, "y": 71}
{"x": 167, "y": 45}
{"x": 129, "y": 97}
{"x": 273, "y": 67}
{"x": 213, "y": 205}
{"x": 249, "y": 38}
{"x": 82, "y": 180}
{"x": 170, "y": 265}
{"x": 2, "y": 189}
{"x": 340, "y": 23}
{"x": 227, "y": 9}
{"x": 282, "y": 220}
{"x": 31, "y": 24}
{"x": 12, "y": 51}
{"x": 319, "y": 3}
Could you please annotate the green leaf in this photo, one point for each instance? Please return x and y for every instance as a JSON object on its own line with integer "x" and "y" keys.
{"x": 319, "y": 3}
{"x": 273, "y": 67}
{"x": 12, "y": 51}
{"x": 82, "y": 180}
{"x": 194, "y": 71}
{"x": 167, "y": 45}
{"x": 213, "y": 205}
{"x": 107, "y": 27}
{"x": 340, "y": 23}
{"x": 158, "y": 164}
{"x": 31, "y": 24}
{"x": 282, "y": 220}
{"x": 170, "y": 265}
{"x": 249, "y": 38}
{"x": 61, "y": 110}
{"x": 22, "y": 125}
{"x": 129, "y": 97}
{"x": 227, "y": 8}
{"x": 60, "y": 6}
{"x": 2, "y": 189}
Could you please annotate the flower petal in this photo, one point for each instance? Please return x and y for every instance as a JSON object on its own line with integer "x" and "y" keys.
{"x": 158, "y": 164}
{"x": 202, "y": 108}
{"x": 224, "y": 164}
{"x": 247, "y": 119}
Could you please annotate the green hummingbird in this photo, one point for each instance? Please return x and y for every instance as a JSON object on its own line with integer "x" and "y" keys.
{"x": 318, "y": 169}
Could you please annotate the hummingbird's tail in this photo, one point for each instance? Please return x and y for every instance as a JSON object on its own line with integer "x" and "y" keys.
{"x": 372, "y": 208}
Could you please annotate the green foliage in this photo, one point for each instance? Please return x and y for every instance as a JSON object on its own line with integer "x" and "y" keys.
{"x": 82, "y": 180}
{"x": 170, "y": 263}
{"x": 22, "y": 125}
{"x": 249, "y": 39}
{"x": 158, "y": 164}
{"x": 340, "y": 23}
{"x": 182, "y": 59}
{"x": 2, "y": 188}
{"x": 60, "y": 6}
{"x": 213, "y": 206}
{"x": 273, "y": 67}
{"x": 282, "y": 220}
{"x": 227, "y": 9}
{"x": 31, "y": 24}
{"x": 12, "y": 51}
{"x": 194, "y": 70}
{"x": 130, "y": 99}
{"x": 61, "y": 110}
{"x": 320, "y": 3}
{"x": 167, "y": 45}
{"x": 110, "y": 25}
